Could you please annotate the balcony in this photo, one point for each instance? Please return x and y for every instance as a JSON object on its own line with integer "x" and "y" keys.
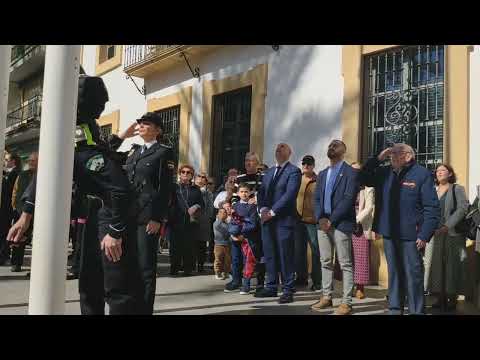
{"x": 144, "y": 60}
{"x": 26, "y": 116}
{"x": 26, "y": 60}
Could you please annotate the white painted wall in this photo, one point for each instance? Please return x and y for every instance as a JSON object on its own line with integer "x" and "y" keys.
{"x": 304, "y": 94}
{"x": 304, "y": 101}
{"x": 474, "y": 163}
{"x": 122, "y": 94}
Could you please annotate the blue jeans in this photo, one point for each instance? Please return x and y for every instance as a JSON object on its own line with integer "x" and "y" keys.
{"x": 307, "y": 233}
{"x": 405, "y": 274}
{"x": 237, "y": 262}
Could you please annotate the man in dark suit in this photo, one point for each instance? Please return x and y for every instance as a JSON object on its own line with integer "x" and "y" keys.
{"x": 150, "y": 171}
{"x": 334, "y": 199}
{"x": 276, "y": 199}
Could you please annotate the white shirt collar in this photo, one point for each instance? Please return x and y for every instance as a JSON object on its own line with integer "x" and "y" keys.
{"x": 243, "y": 202}
{"x": 150, "y": 144}
{"x": 282, "y": 164}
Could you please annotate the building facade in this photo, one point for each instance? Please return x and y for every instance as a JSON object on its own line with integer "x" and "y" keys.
{"x": 220, "y": 101}
{"x": 25, "y": 99}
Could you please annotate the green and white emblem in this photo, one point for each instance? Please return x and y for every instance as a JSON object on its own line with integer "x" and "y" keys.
{"x": 96, "y": 163}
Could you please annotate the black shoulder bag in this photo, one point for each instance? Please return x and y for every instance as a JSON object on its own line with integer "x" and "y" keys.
{"x": 468, "y": 225}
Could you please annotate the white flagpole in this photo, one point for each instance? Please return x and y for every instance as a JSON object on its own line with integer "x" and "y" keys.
{"x": 54, "y": 180}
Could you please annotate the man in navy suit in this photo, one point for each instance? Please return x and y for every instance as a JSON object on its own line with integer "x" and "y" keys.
{"x": 334, "y": 202}
{"x": 276, "y": 200}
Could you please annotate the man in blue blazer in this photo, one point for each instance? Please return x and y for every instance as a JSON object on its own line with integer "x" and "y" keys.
{"x": 407, "y": 212}
{"x": 334, "y": 201}
{"x": 276, "y": 199}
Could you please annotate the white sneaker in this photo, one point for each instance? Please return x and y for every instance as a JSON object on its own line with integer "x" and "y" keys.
{"x": 218, "y": 277}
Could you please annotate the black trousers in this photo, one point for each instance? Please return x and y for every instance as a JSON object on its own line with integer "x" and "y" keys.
{"x": 5, "y": 223}
{"x": 101, "y": 280}
{"x": 183, "y": 239}
{"x": 79, "y": 236}
{"x": 18, "y": 252}
{"x": 147, "y": 248}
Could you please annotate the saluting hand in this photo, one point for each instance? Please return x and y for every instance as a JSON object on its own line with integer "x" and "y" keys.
{"x": 112, "y": 248}
{"x": 153, "y": 227}
{"x": 129, "y": 132}
{"x": 384, "y": 154}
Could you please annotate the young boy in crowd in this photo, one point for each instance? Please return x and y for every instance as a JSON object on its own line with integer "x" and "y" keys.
{"x": 244, "y": 229}
{"x": 227, "y": 206}
{"x": 222, "y": 246}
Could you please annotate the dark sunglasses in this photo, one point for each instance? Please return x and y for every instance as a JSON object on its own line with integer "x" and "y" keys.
{"x": 187, "y": 172}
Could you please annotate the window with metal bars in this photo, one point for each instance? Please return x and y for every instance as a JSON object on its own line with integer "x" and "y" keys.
{"x": 230, "y": 131}
{"x": 105, "y": 131}
{"x": 404, "y": 91}
{"x": 171, "y": 124}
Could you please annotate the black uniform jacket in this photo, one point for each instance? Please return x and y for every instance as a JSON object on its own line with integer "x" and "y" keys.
{"x": 96, "y": 174}
{"x": 150, "y": 174}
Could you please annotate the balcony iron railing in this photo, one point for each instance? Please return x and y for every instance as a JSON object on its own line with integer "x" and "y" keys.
{"x": 20, "y": 52}
{"x": 138, "y": 54}
{"x": 25, "y": 114}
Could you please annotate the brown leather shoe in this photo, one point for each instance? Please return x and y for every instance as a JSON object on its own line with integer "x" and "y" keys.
{"x": 360, "y": 294}
{"x": 323, "y": 303}
{"x": 343, "y": 309}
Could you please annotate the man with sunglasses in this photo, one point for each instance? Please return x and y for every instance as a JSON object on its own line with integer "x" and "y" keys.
{"x": 306, "y": 231}
{"x": 407, "y": 213}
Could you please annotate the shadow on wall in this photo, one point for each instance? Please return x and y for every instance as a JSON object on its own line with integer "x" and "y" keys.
{"x": 304, "y": 102}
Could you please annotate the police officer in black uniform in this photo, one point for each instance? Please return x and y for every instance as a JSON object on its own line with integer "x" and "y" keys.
{"x": 150, "y": 171}
{"x": 253, "y": 177}
{"x": 108, "y": 271}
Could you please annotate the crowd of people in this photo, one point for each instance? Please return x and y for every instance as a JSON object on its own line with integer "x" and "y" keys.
{"x": 264, "y": 229}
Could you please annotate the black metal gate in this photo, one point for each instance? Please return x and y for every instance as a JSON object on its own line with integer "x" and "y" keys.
{"x": 171, "y": 124}
{"x": 231, "y": 131}
{"x": 405, "y": 100}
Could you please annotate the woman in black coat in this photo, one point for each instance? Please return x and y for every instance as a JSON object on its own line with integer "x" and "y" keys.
{"x": 150, "y": 171}
{"x": 187, "y": 205}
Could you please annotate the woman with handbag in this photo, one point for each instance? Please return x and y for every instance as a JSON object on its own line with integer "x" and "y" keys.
{"x": 445, "y": 253}
{"x": 361, "y": 237}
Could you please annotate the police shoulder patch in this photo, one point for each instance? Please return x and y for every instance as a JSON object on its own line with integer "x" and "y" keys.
{"x": 95, "y": 163}
{"x": 171, "y": 164}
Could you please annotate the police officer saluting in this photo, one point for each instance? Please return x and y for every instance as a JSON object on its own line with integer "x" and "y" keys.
{"x": 107, "y": 271}
{"x": 150, "y": 171}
